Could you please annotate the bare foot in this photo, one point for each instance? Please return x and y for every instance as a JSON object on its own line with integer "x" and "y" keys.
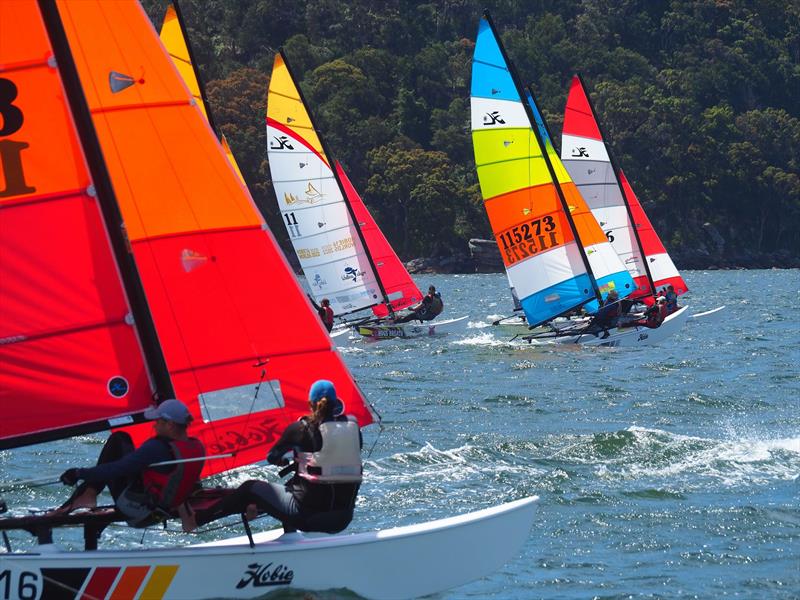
{"x": 251, "y": 512}
{"x": 88, "y": 499}
{"x": 188, "y": 518}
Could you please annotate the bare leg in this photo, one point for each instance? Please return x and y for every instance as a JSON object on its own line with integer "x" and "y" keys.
{"x": 188, "y": 518}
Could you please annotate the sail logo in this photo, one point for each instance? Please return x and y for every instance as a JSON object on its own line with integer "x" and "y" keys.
{"x": 290, "y": 199}
{"x": 264, "y": 575}
{"x": 493, "y": 118}
{"x": 352, "y": 273}
{"x": 495, "y": 92}
{"x": 312, "y": 194}
{"x": 283, "y": 143}
{"x": 118, "y": 386}
{"x": 319, "y": 282}
{"x": 580, "y": 152}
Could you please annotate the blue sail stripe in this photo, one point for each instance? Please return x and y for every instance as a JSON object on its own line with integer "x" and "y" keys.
{"x": 562, "y": 296}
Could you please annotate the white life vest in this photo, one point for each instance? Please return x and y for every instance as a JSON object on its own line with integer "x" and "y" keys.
{"x": 339, "y": 460}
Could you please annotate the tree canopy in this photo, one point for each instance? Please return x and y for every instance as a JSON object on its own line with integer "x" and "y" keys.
{"x": 698, "y": 98}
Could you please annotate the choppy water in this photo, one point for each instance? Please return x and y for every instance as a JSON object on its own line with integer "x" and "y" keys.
{"x": 664, "y": 472}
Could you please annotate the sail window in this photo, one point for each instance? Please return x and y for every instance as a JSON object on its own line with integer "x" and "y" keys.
{"x": 241, "y": 400}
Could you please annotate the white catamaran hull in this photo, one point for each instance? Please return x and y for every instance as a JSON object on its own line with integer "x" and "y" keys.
{"x": 406, "y": 330}
{"x": 625, "y": 336}
{"x": 403, "y": 562}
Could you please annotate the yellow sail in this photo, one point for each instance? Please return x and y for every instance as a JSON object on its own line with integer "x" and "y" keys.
{"x": 174, "y": 41}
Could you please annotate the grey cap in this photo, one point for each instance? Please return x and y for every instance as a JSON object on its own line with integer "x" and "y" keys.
{"x": 170, "y": 410}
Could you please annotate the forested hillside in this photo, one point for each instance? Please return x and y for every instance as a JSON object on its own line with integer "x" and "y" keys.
{"x": 700, "y": 99}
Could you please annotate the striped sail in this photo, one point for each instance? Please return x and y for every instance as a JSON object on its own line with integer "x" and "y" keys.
{"x": 662, "y": 269}
{"x": 174, "y": 38}
{"x": 236, "y": 329}
{"x": 401, "y": 291}
{"x": 70, "y": 358}
{"x": 587, "y": 158}
{"x": 541, "y": 254}
{"x": 606, "y": 265}
{"x": 312, "y": 205}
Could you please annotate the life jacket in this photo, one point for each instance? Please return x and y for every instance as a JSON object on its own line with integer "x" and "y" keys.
{"x": 657, "y": 316}
{"x": 437, "y": 305}
{"x": 339, "y": 459}
{"x": 168, "y": 490}
{"x": 326, "y": 313}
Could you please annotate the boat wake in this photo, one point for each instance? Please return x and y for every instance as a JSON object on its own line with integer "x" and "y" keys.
{"x": 645, "y": 454}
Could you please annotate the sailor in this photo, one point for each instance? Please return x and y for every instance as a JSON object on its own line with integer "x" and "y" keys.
{"x": 144, "y": 494}
{"x": 326, "y": 314}
{"x": 672, "y": 299}
{"x": 321, "y": 495}
{"x": 431, "y": 306}
{"x": 655, "y": 315}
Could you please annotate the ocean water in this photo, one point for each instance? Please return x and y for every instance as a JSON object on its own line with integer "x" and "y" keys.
{"x": 668, "y": 471}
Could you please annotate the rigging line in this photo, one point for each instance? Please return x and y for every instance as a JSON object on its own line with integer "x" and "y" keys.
{"x": 377, "y": 437}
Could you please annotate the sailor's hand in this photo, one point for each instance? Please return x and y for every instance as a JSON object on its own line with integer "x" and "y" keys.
{"x": 70, "y": 476}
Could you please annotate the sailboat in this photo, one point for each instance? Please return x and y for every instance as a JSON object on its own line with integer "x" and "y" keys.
{"x": 343, "y": 253}
{"x": 590, "y": 160}
{"x": 136, "y": 268}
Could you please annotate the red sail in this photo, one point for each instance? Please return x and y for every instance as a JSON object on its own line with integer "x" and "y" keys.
{"x": 661, "y": 266}
{"x": 70, "y": 359}
{"x": 401, "y": 290}
{"x": 241, "y": 340}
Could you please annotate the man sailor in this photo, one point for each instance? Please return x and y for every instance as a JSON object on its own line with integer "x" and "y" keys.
{"x": 143, "y": 493}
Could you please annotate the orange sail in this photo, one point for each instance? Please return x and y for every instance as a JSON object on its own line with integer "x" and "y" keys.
{"x": 208, "y": 265}
{"x": 70, "y": 357}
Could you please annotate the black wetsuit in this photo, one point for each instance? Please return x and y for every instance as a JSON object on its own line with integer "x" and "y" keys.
{"x": 299, "y": 504}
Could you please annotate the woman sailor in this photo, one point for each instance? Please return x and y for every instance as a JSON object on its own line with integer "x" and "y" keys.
{"x": 321, "y": 495}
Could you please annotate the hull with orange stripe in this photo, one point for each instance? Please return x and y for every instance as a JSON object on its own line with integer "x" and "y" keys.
{"x": 404, "y": 562}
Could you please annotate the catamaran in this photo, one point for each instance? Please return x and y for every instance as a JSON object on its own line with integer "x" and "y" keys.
{"x": 137, "y": 268}
{"x": 557, "y": 256}
{"x": 342, "y": 251}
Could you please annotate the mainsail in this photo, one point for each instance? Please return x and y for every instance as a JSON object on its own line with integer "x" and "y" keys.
{"x": 176, "y": 41}
{"x": 206, "y": 263}
{"x": 72, "y": 312}
{"x": 662, "y": 269}
{"x": 589, "y": 159}
{"x": 313, "y": 203}
{"x": 534, "y": 208}
{"x": 401, "y": 290}
{"x": 607, "y": 267}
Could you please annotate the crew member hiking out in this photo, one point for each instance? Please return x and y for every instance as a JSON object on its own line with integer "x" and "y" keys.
{"x": 430, "y": 307}
{"x": 144, "y": 494}
{"x": 321, "y": 495}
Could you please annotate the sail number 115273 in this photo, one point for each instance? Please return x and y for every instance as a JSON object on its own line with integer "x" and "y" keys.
{"x": 529, "y": 238}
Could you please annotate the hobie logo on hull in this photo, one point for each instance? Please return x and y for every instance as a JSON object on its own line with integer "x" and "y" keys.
{"x": 264, "y": 575}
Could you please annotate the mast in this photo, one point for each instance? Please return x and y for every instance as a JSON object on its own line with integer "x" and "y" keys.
{"x": 346, "y": 200}
{"x": 615, "y": 167}
{"x": 107, "y": 201}
{"x": 193, "y": 61}
{"x": 532, "y": 120}
{"x": 529, "y": 89}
